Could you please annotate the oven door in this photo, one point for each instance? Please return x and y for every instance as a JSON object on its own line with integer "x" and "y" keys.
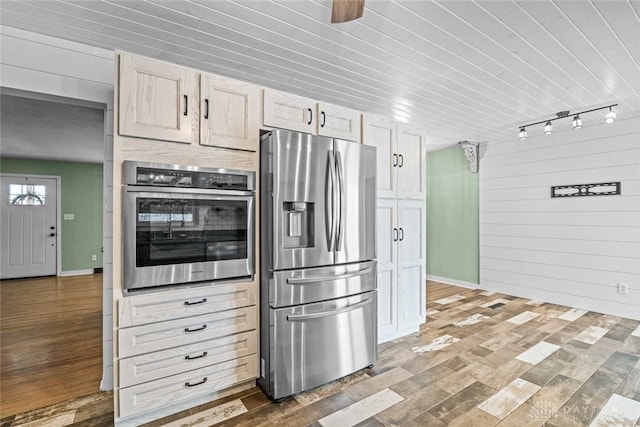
{"x": 174, "y": 236}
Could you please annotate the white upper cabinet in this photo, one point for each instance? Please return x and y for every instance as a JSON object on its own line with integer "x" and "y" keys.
{"x": 401, "y": 157}
{"x": 382, "y": 133}
{"x": 288, "y": 111}
{"x": 338, "y": 122}
{"x": 230, "y": 111}
{"x": 158, "y": 100}
{"x": 411, "y": 163}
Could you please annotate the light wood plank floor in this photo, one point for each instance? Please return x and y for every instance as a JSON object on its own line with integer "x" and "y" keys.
{"x": 50, "y": 340}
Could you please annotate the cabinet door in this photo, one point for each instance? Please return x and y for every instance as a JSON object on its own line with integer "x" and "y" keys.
{"x": 287, "y": 111}
{"x": 229, "y": 113}
{"x": 338, "y": 122}
{"x": 387, "y": 211}
{"x": 411, "y": 163}
{"x": 382, "y": 134}
{"x": 157, "y": 100}
{"x": 411, "y": 264}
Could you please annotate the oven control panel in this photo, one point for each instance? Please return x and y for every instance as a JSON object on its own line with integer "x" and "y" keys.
{"x": 136, "y": 173}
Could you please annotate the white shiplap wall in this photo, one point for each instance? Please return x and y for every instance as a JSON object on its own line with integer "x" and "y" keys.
{"x": 50, "y": 66}
{"x": 571, "y": 251}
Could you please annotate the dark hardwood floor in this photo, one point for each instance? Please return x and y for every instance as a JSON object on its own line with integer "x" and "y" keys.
{"x": 50, "y": 341}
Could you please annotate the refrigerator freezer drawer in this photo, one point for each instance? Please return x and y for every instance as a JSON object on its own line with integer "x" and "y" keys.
{"x": 294, "y": 287}
{"x": 316, "y": 343}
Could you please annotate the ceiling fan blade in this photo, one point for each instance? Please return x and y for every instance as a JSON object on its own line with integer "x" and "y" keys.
{"x": 346, "y": 10}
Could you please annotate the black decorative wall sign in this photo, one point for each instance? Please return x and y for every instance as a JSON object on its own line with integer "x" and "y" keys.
{"x": 602, "y": 189}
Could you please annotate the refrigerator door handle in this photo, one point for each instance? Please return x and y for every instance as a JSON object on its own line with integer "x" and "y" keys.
{"x": 339, "y": 221}
{"x": 311, "y": 316}
{"x": 317, "y": 279}
{"x": 329, "y": 217}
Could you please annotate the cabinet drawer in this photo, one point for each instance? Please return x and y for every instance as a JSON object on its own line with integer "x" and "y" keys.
{"x": 149, "y": 308}
{"x": 174, "y": 333}
{"x": 155, "y": 394}
{"x": 160, "y": 364}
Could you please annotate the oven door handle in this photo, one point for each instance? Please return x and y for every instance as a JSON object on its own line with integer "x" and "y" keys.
{"x": 180, "y": 190}
{"x": 316, "y": 279}
{"x": 311, "y": 316}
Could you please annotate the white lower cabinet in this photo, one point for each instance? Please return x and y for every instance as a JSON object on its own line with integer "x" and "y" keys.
{"x": 180, "y": 344}
{"x": 401, "y": 267}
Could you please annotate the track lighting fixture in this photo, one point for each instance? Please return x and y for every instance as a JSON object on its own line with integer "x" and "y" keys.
{"x": 610, "y": 117}
{"x": 576, "y": 122}
{"x": 523, "y": 133}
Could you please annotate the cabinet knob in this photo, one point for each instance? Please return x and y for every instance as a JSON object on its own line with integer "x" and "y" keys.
{"x": 395, "y": 160}
{"x": 310, "y": 116}
{"x": 206, "y": 108}
{"x": 401, "y": 234}
{"x": 401, "y": 161}
{"x": 186, "y": 105}
{"x": 324, "y": 119}
{"x": 395, "y": 234}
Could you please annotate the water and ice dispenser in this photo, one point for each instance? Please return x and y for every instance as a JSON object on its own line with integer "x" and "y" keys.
{"x": 299, "y": 224}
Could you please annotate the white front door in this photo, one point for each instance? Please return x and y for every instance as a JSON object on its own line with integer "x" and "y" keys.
{"x": 29, "y": 226}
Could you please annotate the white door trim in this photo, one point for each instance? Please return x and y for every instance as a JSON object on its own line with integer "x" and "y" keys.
{"x": 58, "y": 180}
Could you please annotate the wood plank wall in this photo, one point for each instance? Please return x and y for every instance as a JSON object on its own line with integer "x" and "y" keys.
{"x": 571, "y": 251}
{"x": 44, "y": 66}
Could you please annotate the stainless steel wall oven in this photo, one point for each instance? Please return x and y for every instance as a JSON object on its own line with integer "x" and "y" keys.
{"x": 186, "y": 224}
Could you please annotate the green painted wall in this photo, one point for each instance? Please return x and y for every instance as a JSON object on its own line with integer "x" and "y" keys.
{"x": 452, "y": 216}
{"x": 81, "y": 195}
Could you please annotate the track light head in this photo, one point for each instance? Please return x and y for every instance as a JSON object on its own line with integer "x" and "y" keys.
{"x": 577, "y": 122}
{"x": 548, "y": 128}
{"x": 610, "y": 117}
{"x": 523, "y": 134}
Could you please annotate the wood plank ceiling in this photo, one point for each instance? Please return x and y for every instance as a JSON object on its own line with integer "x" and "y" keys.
{"x": 463, "y": 70}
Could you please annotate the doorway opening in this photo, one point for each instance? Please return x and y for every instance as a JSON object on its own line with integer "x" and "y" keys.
{"x": 51, "y": 326}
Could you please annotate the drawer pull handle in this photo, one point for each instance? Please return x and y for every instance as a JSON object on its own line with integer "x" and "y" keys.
{"x": 188, "y": 384}
{"x": 310, "y": 316}
{"x": 196, "y": 329}
{"x": 189, "y": 357}
{"x": 203, "y": 300}
{"x": 317, "y": 279}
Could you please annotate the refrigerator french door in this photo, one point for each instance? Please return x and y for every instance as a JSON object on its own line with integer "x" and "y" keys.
{"x": 318, "y": 267}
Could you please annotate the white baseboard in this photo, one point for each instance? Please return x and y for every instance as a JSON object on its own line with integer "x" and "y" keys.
{"x": 455, "y": 282}
{"x": 75, "y": 272}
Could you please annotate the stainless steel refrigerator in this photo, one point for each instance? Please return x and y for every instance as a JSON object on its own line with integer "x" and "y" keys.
{"x": 318, "y": 260}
